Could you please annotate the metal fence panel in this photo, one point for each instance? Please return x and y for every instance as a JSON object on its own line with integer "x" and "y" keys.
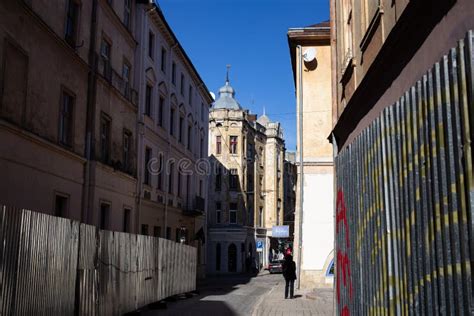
{"x": 404, "y": 219}
{"x": 56, "y": 266}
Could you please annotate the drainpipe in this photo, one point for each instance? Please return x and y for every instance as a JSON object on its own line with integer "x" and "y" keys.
{"x": 139, "y": 71}
{"x": 300, "y": 145}
{"x": 88, "y": 192}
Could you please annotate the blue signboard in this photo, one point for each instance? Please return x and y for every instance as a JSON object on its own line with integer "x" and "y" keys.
{"x": 281, "y": 231}
{"x": 259, "y": 245}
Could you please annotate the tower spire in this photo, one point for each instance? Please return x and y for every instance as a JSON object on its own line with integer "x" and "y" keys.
{"x": 227, "y": 75}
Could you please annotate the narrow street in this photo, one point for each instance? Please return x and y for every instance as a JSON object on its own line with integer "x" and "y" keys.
{"x": 242, "y": 295}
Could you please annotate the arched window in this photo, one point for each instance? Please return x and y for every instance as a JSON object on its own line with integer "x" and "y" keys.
{"x": 218, "y": 257}
{"x": 330, "y": 271}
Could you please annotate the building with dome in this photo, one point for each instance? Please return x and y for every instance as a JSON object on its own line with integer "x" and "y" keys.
{"x": 245, "y": 185}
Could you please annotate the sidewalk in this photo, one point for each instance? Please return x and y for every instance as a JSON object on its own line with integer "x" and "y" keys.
{"x": 274, "y": 302}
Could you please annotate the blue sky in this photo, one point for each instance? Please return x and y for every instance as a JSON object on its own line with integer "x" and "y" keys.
{"x": 250, "y": 35}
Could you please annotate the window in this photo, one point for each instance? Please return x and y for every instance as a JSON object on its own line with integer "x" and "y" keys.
{"x": 161, "y": 105}
{"x": 127, "y": 145}
{"x": 233, "y": 213}
{"x": 105, "y": 48}
{"x": 330, "y": 270}
{"x": 104, "y": 216}
{"x": 218, "y": 212}
{"x": 170, "y": 178}
{"x": 260, "y": 217}
{"x": 233, "y": 145}
{"x": 126, "y": 75}
{"x": 181, "y": 87}
{"x": 172, "y": 122}
{"x": 178, "y": 234}
{"x": 61, "y": 206}
{"x": 202, "y": 148}
{"x": 347, "y": 31}
{"x": 160, "y": 173}
{"x": 218, "y": 145}
{"x": 126, "y": 220}
{"x": 173, "y": 73}
{"x": 190, "y": 95}
{"x": 66, "y": 119}
{"x": 233, "y": 179}
{"x": 218, "y": 179}
{"x": 157, "y": 231}
{"x": 126, "y": 13}
{"x": 218, "y": 257}
{"x": 148, "y": 94}
{"x": 168, "y": 232}
{"x": 181, "y": 127}
{"x": 146, "y": 172}
{"x": 163, "y": 59}
{"x": 189, "y": 136}
{"x": 188, "y": 185}
{"x": 200, "y": 188}
{"x": 104, "y": 138}
{"x": 179, "y": 180}
{"x": 151, "y": 44}
{"x": 72, "y": 21}
{"x": 145, "y": 229}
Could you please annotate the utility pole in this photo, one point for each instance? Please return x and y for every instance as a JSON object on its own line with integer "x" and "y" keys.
{"x": 300, "y": 147}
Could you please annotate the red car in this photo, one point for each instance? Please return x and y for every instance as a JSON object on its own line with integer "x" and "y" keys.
{"x": 276, "y": 266}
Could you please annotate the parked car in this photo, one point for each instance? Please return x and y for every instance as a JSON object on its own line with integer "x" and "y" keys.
{"x": 276, "y": 266}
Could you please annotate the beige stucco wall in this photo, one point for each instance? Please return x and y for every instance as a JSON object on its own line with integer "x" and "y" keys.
{"x": 317, "y": 237}
{"x": 32, "y": 164}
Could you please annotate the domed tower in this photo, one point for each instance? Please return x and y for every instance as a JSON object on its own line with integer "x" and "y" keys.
{"x": 226, "y": 98}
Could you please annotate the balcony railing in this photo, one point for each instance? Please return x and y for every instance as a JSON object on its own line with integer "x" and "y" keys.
{"x": 196, "y": 207}
{"x": 114, "y": 79}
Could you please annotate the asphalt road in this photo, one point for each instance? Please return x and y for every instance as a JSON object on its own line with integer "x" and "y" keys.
{"x": 227, "y": 295}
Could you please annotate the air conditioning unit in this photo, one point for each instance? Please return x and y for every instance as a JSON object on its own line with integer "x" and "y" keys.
{"x": 146, "y": 195}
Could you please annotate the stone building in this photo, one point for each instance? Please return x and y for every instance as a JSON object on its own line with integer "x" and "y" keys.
{"x": 91, "y": 92}
{"x": 68, "y": 110}
{"x": 173, "y": 134}
{"x": 290, "y": 178}
{"x": 314, "y": 264}
{"x": 245, "y": 184}
{"x": 403, "y": 116}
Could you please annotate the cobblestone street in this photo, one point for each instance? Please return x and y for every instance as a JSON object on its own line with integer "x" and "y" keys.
{"x": 241, "y": 295}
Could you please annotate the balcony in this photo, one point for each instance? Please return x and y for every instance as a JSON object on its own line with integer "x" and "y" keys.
{"x": 115, "y": 80}
{"x": 196, "y": 207}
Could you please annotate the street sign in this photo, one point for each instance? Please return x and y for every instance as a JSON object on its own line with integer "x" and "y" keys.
{"x": 259, "y": 247}
{"x": 281, "y": 231}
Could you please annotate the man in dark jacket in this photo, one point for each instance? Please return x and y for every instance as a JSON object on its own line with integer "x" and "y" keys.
{"x": 289, "y": 273}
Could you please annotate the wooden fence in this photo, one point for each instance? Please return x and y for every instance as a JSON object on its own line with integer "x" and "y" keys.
{"x": 56, "y": 266}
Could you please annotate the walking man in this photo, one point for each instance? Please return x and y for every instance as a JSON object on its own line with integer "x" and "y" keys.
{"x": 289, "y": 273}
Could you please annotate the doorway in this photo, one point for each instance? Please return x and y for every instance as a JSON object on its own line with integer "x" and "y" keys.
{"x": 232, "y": 258}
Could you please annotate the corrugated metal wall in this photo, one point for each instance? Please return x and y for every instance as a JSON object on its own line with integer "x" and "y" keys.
{"x": 56, "y": 266}
{"x": 404, "y": 210}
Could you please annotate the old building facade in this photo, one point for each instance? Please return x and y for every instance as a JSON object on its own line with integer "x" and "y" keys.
{"x": 246, "y": 156}
{"x": 290, "y": 178}
{"x": 314, "y": 226}
{"x": 96, "y": 96}
{"x": 173, "y": 124}
{"x": 402, "y": 133}
{"x": 69, "y": 110}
